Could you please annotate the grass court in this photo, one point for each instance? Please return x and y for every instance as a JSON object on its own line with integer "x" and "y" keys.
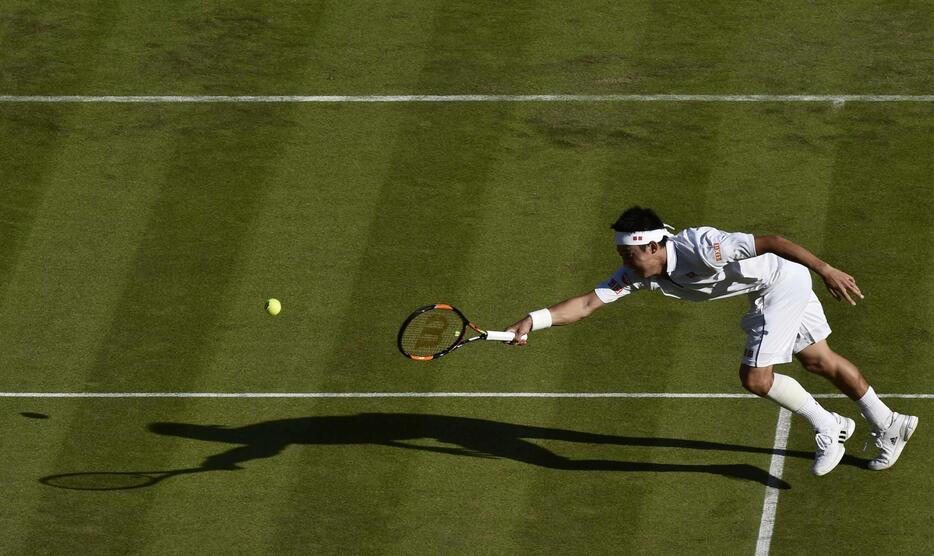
{"x": 138, "y": 243}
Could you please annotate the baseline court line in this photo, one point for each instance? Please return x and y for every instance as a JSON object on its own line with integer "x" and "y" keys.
{"x": 640, "y": 395}
{"x": 366, "y": 395}
{"x": 776, "y": 468}
{"x": 175, "y": 99}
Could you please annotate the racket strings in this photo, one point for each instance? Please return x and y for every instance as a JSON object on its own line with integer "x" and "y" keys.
{"x": 431, "y": 332}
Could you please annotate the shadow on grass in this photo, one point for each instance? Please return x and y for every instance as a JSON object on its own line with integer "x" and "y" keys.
{"x": 466, "y": 437}
{"x": 477, "y": 438}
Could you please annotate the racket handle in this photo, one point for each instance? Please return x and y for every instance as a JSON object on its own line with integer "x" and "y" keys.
{"x": 502, "y": 336}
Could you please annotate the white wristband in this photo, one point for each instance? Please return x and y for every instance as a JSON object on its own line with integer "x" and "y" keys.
{"x": 541, "y": 319}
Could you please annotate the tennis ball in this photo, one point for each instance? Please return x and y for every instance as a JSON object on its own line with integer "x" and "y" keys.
{"x": 273, "y": 306}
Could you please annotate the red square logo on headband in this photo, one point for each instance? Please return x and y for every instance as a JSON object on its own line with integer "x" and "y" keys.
{"x": 637, "y": 238}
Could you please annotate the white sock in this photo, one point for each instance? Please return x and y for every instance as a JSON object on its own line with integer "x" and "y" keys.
{"x": 874, "y": 410}
{"x": 821, "y": 419}
{"x": 788, "y": 393}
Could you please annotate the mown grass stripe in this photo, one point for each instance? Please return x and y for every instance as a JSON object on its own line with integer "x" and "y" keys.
{"x": 881, "y": 178}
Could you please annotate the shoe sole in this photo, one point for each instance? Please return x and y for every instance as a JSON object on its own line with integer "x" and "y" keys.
{"x": 910, "y": 426}
{"x": 850, "y": 427}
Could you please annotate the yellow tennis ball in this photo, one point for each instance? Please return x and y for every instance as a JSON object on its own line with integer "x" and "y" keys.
{"x": 273, "y": 306}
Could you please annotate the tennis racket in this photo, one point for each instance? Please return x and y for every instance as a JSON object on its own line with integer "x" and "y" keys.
{"x": 434, "y": 331}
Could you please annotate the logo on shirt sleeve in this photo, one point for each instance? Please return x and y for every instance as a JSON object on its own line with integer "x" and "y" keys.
{"x": 616, "y": 286}
{"x": 716, "y": 252}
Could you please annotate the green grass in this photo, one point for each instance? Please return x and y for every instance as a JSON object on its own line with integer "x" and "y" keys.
{"x": 139, "y": 242}
{"x": 284, "y": 47}
{"x": 338, "y": 484}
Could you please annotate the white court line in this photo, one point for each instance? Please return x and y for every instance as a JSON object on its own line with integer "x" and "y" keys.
{"x": 174, "y": 99}
{"x": 697, "y": 395}
{"x": 776, "y": 468}
{"x": 367, "y": 395}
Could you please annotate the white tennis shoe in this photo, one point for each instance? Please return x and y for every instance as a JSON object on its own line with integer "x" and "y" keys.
{"x": 891, "y": 440}
{"x": 830, "y": 445}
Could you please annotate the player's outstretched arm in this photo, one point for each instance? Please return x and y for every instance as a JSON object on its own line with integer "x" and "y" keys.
{"x": 566, "y": 312}
{"x": 839, "y": 283}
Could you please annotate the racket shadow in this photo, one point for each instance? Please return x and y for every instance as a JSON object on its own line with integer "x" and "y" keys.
{"x": 113, "y": 480}
{"x": 467, "y": 437}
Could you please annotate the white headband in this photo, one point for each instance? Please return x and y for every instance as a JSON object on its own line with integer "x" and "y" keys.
{"x": 643, "y": 238}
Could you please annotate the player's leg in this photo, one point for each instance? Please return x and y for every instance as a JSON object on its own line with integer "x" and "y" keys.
{"x": 831, "y": 429}
{"x": 786, "y": 392}
{"x": 891, "y": 430}
{"x": 772, "y": 326}
{"x": 819, "y": 359}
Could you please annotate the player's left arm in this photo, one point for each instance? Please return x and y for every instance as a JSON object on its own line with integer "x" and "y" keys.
{"x": 839, "y": 283}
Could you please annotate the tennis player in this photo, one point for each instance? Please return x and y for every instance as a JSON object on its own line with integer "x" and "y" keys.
{"x": 785, "y": 319}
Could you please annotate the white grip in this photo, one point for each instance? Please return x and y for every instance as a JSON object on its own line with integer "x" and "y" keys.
{"x": 502, "y": 336}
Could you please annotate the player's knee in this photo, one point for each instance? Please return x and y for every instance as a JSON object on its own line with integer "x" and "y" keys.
{"x": 756, "y": 381}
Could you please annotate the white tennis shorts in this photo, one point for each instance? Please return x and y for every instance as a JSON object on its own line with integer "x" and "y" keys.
{"x": 784, "y": 319}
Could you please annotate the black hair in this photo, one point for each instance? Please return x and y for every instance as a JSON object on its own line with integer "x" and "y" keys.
{"x": 638, "y": 219}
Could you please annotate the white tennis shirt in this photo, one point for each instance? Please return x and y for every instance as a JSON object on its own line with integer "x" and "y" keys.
{"x": 703, "y": 264}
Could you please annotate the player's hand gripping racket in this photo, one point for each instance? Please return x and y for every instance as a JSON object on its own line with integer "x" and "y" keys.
{"x": 434, "y": 331}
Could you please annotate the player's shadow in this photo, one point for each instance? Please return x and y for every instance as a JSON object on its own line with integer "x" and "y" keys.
{"x": 468, "y": 437}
